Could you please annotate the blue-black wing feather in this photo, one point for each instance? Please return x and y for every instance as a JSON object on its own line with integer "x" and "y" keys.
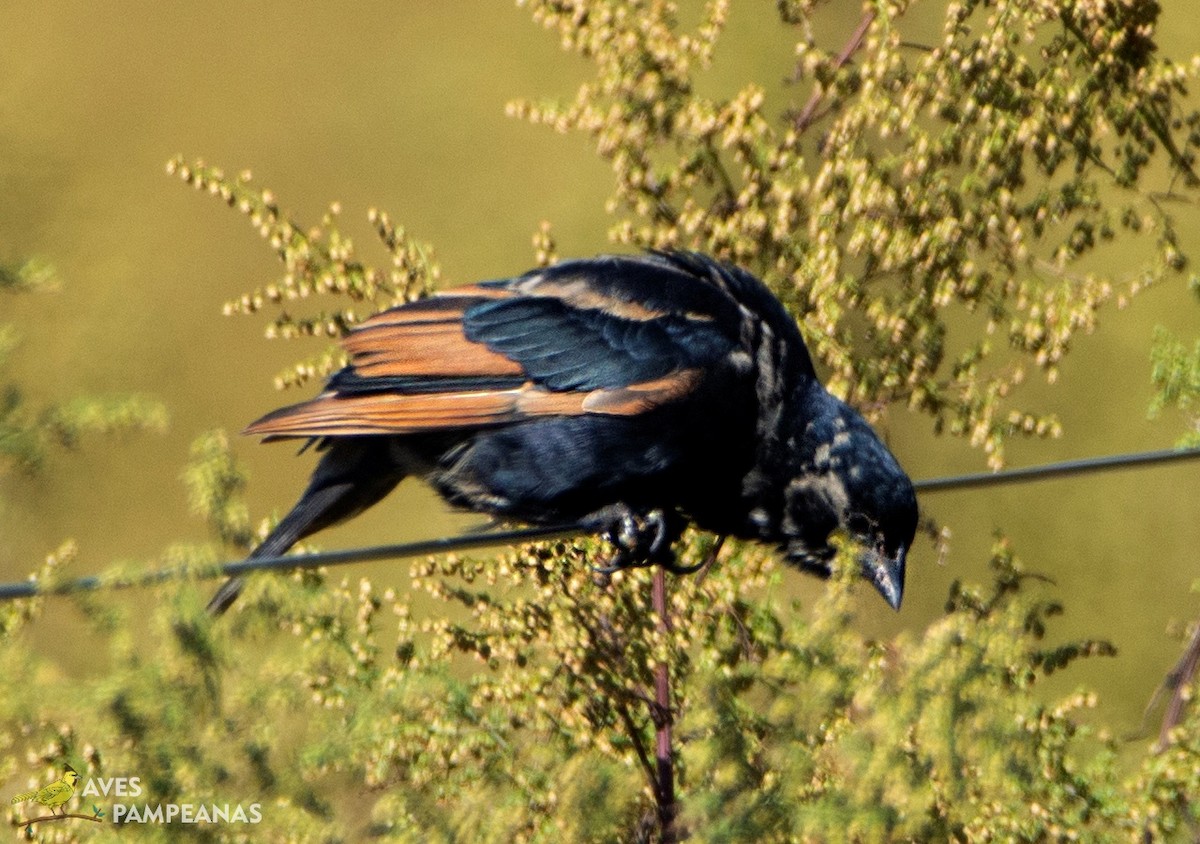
{"x": 566, "y": 348}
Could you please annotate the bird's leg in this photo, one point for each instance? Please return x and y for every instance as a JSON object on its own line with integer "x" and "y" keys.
{"x": 640, "y": 539}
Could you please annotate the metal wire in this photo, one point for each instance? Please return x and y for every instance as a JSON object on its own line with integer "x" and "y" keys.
{"x": 443, "y": 545}
{"x": 1057, "y": 470}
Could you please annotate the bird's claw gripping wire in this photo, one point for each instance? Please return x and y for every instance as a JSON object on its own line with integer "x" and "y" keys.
{"x": 641, "y": 540}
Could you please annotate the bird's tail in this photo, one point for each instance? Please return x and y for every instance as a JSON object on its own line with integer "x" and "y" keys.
{"x": 353, "y": 475}
{"x": 23, "y": 796}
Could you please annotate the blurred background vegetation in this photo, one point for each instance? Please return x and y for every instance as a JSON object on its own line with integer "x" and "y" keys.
{"x": 401, "y": 107}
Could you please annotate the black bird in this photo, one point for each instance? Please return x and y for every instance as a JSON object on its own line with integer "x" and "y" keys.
{"x": 633, "y": 393}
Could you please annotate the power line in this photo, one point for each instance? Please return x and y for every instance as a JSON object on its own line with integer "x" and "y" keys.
{"x": 1057, "y": 470}
{"x": 444, "y": 545}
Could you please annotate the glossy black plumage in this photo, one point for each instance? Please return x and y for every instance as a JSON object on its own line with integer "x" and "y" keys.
{"x": 634, "y": 392}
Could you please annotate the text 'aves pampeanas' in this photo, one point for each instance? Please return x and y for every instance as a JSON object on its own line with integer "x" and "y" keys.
{"x": 632, "y": 393}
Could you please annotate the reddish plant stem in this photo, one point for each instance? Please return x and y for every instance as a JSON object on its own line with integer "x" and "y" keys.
{"x": 664, "y": 765}
{"x": 1177, "y": 681}
{"x": 808, "y": 113}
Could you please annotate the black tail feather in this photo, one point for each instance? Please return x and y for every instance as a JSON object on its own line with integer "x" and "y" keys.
{"x": 352, "y": 476}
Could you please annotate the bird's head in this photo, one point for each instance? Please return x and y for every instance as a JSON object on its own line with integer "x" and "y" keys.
{"x": 848, "y": 480}
{"x": 70, "y": 776}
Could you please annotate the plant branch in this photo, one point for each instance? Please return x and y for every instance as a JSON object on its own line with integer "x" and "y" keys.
{"x": 1180, "y": 677}
{"x": 1156, "y": 122}
{"x": 709, "y": 560}
{"x": 635, "y": 737}
{"x": 47, "y": 818}
{"x": 662, "y": 720}
{"x": 808, "y": 114}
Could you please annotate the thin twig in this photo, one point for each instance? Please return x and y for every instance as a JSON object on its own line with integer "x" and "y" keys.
{"x": 611, "y": 643}
{"x": 1177, "y": 681}
{"x": 635, "y": 737}
{"x": 808, "y": 113}
{"x": 47, "y": 818}
{"x": 707, "y": 565}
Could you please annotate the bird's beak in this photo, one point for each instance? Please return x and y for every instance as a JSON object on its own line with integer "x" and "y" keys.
{"x": 886, "y": 573}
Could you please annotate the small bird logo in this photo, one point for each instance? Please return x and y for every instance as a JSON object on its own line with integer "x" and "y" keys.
{"x": 54, "y": 795}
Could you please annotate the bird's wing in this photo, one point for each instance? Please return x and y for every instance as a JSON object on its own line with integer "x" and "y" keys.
{"x": 610, "y": 336}
{"x": 55, "y": 790}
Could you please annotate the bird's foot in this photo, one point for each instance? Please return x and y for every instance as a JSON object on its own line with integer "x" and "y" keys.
{"x": 640, "y": 539}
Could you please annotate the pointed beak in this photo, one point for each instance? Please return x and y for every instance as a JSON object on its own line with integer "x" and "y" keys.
{"x": 887, "y": 574}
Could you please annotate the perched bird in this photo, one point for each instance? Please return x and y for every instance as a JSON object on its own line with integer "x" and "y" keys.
{"x": 632, "y": 393}
{"x": 54, "y": 795}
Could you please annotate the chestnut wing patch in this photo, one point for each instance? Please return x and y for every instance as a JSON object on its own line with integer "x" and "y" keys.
{"x": 499, "y": 352}
{"x": 423, "y": 341}
{"x": 334, "y": 414}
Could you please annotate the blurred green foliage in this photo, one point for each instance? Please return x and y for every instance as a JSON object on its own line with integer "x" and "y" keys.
{"x": 320, "y": 260}
{"x": 1176, "y": 373}
{"x": 27, "y": 435}
{"x": 923, "y": 196}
